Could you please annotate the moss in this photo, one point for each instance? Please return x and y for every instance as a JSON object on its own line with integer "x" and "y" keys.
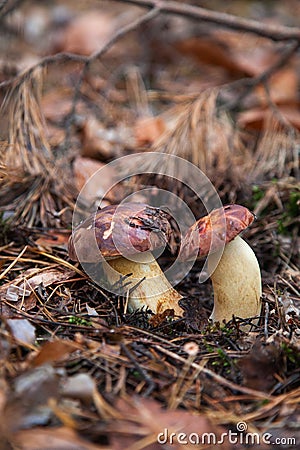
{"x": 79, "y": 321}
{"x": 291, "y": 353}
{"x": 257, "y": 194}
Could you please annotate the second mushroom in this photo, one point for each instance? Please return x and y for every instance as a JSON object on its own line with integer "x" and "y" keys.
{"x": 232, "y": 264}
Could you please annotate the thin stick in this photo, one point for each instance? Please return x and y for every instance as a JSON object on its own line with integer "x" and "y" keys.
{"x": 2, "y": 275}
{"x": 273, "y": 32}
{"x": 266, "y": 320}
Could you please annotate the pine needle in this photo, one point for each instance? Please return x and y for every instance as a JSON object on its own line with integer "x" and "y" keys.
{"x": 32, "y": 180}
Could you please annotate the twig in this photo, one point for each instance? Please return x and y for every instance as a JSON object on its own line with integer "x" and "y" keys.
{"x": 2, "y": 275}
{"x": 48, "y": 61}
{"x": 267, "y": 309}
{"x": 289, "y": 285}
{"x": 273, "y": 32}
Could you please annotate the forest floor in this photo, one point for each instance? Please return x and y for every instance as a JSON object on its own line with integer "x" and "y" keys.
{"x": 83, "y": 85}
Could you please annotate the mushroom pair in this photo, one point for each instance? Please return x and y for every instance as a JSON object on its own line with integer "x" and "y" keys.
{"x": 124, "y": 237}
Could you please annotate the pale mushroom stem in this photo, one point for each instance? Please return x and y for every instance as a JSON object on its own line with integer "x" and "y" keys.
{"x": 236, "y": 282}
{"x": 152, "y": 290}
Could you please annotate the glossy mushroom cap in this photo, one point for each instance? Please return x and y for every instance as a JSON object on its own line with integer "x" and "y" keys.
{"x": 212, "y": 232}
{"x": 122, "y": 230}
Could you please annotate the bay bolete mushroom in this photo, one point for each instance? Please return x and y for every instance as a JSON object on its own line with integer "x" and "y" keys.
{"x": 235, "y": 274}
{"x": 123, "y": 238}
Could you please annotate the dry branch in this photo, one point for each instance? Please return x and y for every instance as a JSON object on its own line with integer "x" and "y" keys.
{"x": 273, "y": 32}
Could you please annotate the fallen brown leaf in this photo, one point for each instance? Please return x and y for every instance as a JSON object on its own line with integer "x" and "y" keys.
{"x": 87, "y": 32}
{"x": 238, "y": 55}
{"x": 56, "y": 104}
{"x": 261, "y": 365}
{"x": 211, "y": 51}
{"x": 101, "y": 143}
{"x": 282, "y": 88}
{"x": 148, "y": 129}
{"x": 54, "y": 351}
{"x": 54, "y": 238}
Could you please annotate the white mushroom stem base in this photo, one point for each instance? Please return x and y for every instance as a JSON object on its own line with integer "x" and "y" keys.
{"x": 236, "y": 282}
{"x": 154, "y": 292}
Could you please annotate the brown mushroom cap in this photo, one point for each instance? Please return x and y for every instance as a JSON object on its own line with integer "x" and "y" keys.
{"x": 212, "y": 232}
{"x": 119, "y": 230}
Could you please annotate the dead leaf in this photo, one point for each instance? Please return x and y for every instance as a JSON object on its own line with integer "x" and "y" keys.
{"x": 87, "y": 32}
{"x": 148, "y": 129}
{"x": 57, "y": 104}
{"x": 211, "y": 51}
{"x": 29, "y": 280}
{"x": 80, "y": 386}
{"x": 54, "y": 351}
{"x": 27, "y": 403}
{"x": 158, "y": 319}
{"x": 48, "y": 277}
{"x": 100, "y": 142}
{"x": 238, "y": 54}
{"x": 54, "y": 238}
{"x": 32, "y": 278}
{"x": 14, "y": 293}
{"x": 22, "y": 330}
{"x": 282, "y": 88}
{"x": 291, "y": 113}
{"x": 96, "y": 186}
{"x": 84, "y": 168}
{"x": 252, "y": 119}
{"x": 261, "y": 365}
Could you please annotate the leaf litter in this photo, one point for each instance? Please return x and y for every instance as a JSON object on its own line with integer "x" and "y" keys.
{"x": 77, "y": 369}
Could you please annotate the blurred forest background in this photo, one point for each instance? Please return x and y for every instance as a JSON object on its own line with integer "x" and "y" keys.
{"x": 82, "y": 84}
